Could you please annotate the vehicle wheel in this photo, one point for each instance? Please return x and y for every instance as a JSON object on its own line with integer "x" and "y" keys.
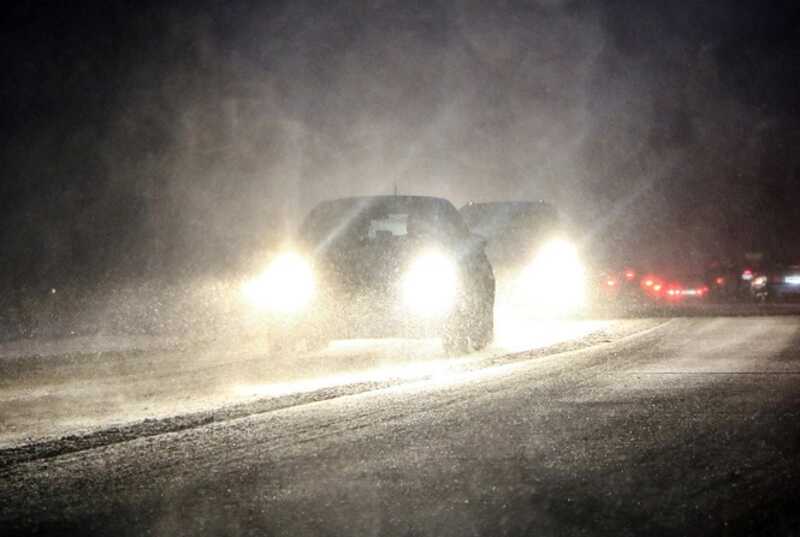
{"x": 484, "y": 331}
{"x": 471, "y": 331}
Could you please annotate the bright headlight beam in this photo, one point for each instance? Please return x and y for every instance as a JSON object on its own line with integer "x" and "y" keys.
{"x": 430, "y": 284}
{"x": 555, "y": 280}
{"x": 286, "y": 286}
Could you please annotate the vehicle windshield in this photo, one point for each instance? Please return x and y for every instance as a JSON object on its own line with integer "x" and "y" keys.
{"x": 382, "y": 219}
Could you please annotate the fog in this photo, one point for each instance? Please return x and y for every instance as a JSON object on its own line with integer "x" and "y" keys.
{"x": 187, "y": 142}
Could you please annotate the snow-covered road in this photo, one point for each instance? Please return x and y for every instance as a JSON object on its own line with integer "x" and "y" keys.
{"x": 76, "y": 386}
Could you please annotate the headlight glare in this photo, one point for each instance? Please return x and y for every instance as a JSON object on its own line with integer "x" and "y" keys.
{"x": 286, "y": 286}
{"x": 555, "y": 280}
{"x": 430, "y": 284}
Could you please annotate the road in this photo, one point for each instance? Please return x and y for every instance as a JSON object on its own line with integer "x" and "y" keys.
{"x": 679, "y": 427}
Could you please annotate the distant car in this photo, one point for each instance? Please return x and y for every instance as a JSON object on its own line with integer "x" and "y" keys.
{"x": 381, "y": 266}
{"x": 777, "y": 283}
{"x": 725, "y": 282}
{"x": 620, "y": 287}
{"x": 629, "y": 286}
{"x": 687, "y": 290}
{"x": 652, "y": 287}
{"x": 724, "y": 286}
{"x": 647, "y": 289}
{"x": 537, "y": 266}
{"x": 607, "y": 286}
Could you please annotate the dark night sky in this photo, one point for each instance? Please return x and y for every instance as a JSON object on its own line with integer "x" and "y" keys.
{"x": 144, "y": 140}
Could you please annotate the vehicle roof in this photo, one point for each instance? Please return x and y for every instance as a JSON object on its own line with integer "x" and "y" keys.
{"x": 360, "y": 203}
{"x": 509, "y": 204}
{"x": 386, "y": 197}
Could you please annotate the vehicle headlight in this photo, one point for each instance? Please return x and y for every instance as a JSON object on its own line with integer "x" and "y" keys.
{"x": 286, "y": 286}
{"x": 430, "y": 284}
{"x": 555, "y": 279}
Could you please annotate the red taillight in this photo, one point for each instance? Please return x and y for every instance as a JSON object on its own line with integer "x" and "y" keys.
{"x": 652, "y": 284}
{"x": 629, "y": 274}
{"x": 747, "y": 274}
{"x": 611, "y": 283}
{"x": 674, "y": 291}
{"x": 720, "y": 280}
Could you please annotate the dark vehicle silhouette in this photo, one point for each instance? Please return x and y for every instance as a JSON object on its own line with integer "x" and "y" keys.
{"x": 777, "y": 283}
{"x": 381, "y": 266}
{"x": 538, "y": 269}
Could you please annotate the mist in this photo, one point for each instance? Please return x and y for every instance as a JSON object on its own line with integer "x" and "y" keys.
{"x": 183, "y": 144}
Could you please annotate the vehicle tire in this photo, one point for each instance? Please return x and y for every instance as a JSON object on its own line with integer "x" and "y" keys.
{"x": 470, "y": 331}
{"x": 484, "y": 330}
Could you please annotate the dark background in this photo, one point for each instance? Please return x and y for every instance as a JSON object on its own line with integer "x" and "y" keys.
{"x": 146, "y": 141}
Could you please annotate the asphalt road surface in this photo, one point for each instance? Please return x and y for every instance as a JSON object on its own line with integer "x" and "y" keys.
{"x": 672, "y": 427}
